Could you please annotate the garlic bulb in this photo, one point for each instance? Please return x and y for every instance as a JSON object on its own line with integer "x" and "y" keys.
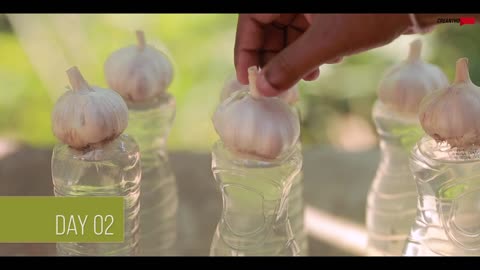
{"x": 405, "y": 84}
{"x": 86, "y": 115}
{"x": 256, "y": 126}
{"x": 290, "y": 96}
{"x": 451, "y": 114}
{"x": 139, "y": 72}
{"x": 232, "y": 85}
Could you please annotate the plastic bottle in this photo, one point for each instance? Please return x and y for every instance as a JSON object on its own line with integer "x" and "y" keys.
{"x": 391, "y": 201}
{"x": 254, "y": 221}
{"x": 150, "y": 123}
{"x": 447, "y": 222}
{"x": 112, "y": 169}
{"x": 296, "y": 214}
{"x": 296, "y": 209}
{"x": 296, "y": 204}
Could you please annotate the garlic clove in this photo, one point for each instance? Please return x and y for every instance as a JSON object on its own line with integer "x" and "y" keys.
{"x": 86, "y": 115}
{"x": 404, "y": 85}
{"x": 450, "y": 114}
{"x": 255, "y": 126}
{"x": 139, "y": 72}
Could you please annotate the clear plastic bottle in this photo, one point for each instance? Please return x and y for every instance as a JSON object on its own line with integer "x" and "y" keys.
{"x": 110, "y": 170}
{"x": 391, "y": 201}
{"x": 254, "y": 220}
{"x": 149, "y": 124}
{"x": 448, "y": 216}
{"x": 296, "y": 208}
{"x": 296, "y": 214}
{"x": 296, "y": 204}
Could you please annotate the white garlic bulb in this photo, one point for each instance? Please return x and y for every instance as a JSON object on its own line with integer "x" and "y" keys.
{"x": 232, "y": 85}
{"x": 290, "y": 96}
{"x": 451, "y": 114}
{"x": 86, "y": 115}
{"x": 138, "y": 72}
{"x": 256, "y": 126}
{"x": 406, "y": 84}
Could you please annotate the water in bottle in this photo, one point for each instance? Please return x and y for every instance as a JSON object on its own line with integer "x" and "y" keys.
{"x": 391, "y": 201}
{"x": 447, "y": 222}
{"x": 149, "y": 124}
{"x": 254, "y": 221}
{"x": 112, "y": 169}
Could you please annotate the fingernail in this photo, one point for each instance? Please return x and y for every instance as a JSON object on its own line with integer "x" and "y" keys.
{"x": 265, "y": 87}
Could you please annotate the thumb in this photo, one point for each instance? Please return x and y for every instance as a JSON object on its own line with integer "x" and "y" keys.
{"x": 290, "y": 65}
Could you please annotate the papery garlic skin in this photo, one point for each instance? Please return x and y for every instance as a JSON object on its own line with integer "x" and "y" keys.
{"x": 263, "y": 128}
{"x": 256, "y": 126}
{"x": 405, "y": 85}
{"x": 88, "y": 115}
{"x": 290, "y": 96}
{"x": 451, "y": 114}
{"x": 138, "y": 72}
{"x": 232, "y": 85}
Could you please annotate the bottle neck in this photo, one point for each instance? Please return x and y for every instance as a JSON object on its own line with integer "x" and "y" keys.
{"x": 154, "y": 156}
{"x": 150, "y": 126}
{"x": 397, "y": 133}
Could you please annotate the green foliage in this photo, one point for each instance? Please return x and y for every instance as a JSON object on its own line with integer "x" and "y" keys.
{"x": 453, "y": 42}
{"x": 349, "y": 88}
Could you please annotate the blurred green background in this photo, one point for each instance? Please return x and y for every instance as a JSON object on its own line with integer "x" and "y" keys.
{"x": 36, "y": 49}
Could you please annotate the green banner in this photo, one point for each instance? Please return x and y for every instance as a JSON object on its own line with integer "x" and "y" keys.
{"x": 31, "y": 219}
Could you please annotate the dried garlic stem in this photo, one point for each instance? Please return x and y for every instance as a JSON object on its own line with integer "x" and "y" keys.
{"x": 252, "y": 81}
{"x": 415, "y": 50}
{"x": 140, "y": 39}
{"x": 462, "y": 75}
{"x": 76, "y": 79}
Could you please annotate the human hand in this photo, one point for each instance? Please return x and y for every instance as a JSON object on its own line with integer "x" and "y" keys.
{"x": 290, "y": 47}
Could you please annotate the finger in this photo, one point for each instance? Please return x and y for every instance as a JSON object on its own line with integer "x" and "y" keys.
{"x": 335, "y": 60}
{"x": 297, "y": 27}
{"x": 308, "y": 17}
{"x": 248, "y": 41}
{"x": 313, "y": 75}
{"x": 300, "y": 23}
{"x": 273, "y": 38}
{"x": 290, "y": 65}
{"x": 284, "y": 20}
{"x": 293, "y": 34}
{"x": 266, "y": 56}
{"x": 276, "y": 40}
